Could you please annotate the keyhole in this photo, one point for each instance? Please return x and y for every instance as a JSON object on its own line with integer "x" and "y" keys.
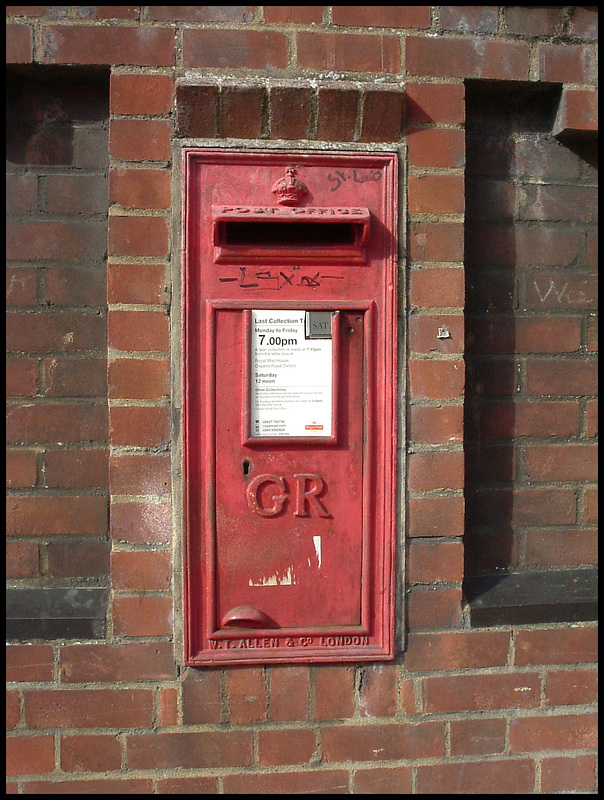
{"x": 247, "y": 466}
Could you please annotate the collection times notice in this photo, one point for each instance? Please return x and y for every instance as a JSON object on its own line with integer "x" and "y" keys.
{"x": 291, "y": 377}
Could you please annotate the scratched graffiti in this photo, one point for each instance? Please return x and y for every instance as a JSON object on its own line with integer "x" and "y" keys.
{"x": 275, "y": 280}
{"x": 567, "y": 294}
{"x": 338, "y": 177}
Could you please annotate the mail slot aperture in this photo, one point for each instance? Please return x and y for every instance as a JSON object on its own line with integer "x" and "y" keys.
{"x": 289, "y": 406}
{"x": 259, "y": 235}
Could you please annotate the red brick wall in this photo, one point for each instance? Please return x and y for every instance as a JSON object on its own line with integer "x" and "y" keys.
{"x": 506, "y": 708}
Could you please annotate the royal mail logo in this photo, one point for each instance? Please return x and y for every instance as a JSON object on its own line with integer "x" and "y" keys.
{"x": 313, "y": 427}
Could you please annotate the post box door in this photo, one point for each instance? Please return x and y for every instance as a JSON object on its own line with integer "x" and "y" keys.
{"x": 290, "y": 407}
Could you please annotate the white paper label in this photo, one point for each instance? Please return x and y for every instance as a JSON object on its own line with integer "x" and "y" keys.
{"x": 291, "y": 376}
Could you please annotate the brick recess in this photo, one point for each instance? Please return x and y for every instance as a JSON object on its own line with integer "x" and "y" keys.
{"x": 501, "y": 709}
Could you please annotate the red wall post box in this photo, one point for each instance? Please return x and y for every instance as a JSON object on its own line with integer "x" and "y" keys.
{"x": 289, "y": 401}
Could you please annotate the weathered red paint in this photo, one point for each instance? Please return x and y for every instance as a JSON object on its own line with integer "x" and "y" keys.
{"x": 289, "y": 539}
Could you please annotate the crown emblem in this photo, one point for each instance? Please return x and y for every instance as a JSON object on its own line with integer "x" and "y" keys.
{"x": 289, "y": 190}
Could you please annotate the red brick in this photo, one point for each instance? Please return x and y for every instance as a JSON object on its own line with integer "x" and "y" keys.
{"x": 567, "y": 63}
{"x": 89, "y": 708}
{"x": 524, "y": 506}
{"x": 570, "y": 645}
{"x": 457, "y": 58}
{"x": 568, "y": 774}
{"x": 234, "y": 49}
{"x": 551, "y": 290}
{"x": 137, "y": 426}
{"x": 139, "y": 378}
{"x": 76, "y": 194}
{"x": 139, "y": 236}
{"x": 75, "y": 469}
{"x": 509, "y": 776}
{"x": 140, "y": 475}
{"x": 406, "y": 696}
{"x": 29, "y": 662}
{"x": 457, "y": 650}
{"x": 584, "y": 22}
{"x": 78, "y": 559}
{"x": 290, "y": 111}
{"x": 141, "y": 94}
{"x": 52, "y": 516}
{"x": 241, "y": 110}
{"x": 12, "y": 709}
{"x": 246, "y": 695}
{"x": 90, "y": 753}
{"x": 119, "y": 786}
{"x": 75, "y": 377}
{"x": 377, "y": 690}
{"x": 435, "y": 516}
{"x": 571, "y": 687}
{"x": 68, "y": 286}
{"x": 382, "y": 115}
{"x": 142, "y": 616}
{"x": 141, "y": 571}
{"x": 531, "y": 418}
{"x": 337, "y": 106}
{"x": 138, "y": 330}
{"x": 189, "y": 750}
{"x": 39, "y": 423}
{"x": 126, "y": 661}
{"x": 21, "y": 469}
{"x": 293, "y": 15}
{"x": 200, "y": 785}
{"x": 465, "y": 19}
{"x": 348, "y": 52}
{"x": 19, "y": 44}
{"x": 383, "y": 780}
{"x": 591, "y": 416}
{"x": 430, "y": 607}
{"x": 283, "y": 746}
{"x": 568, "y": 462}
{"x": 138, "y": 283}
{"x": 591, "y": 505}
{"x": 21, "y": 377}
{"x": 569, "y": 732}
{"x": 168, "y": 707}
{"x": 436, "y": 333}
{"x": 108, "y": 12}
{"x": 435, "y": 102}
{"x": 560, "y": 203}
{"x": 30, "y": 755}
{"x": 435, "y": 379}
{"x": 534, "y": 334}
{"x": 534, "y": 21}
{"x": 437, "y": 470}
{"x": 46, "y": 331}
{"x": 21, "y": 193}
{"x": 140, "y": 139}
{"x": 571, "y": 377}
{"x": 571, "y": 548}
{"x": 383, "y": 742}
{"x": 481, "y": 692}
{"x": 382, "y": 16}
{"x": 140, "y": 188}
{"x": 477, "y": 737}
{"x": 141, "y": 523}
{"x": 323, "y": 781}
{"x": 436, "y": 424}
{"x": 577, "y": 113}
{"x": 436, "y": 147}
{"x": 197, "y": 109}
{"x": 432, "y": 563}
{"x": 435, "y": 194}
{"x": 289, "y": 693}
{"x": 201, "y": 697}
{"x": 22, "y": 560}
{"x": 334, "y": 692}
{"x": 79, "y": 44}
{"x": 31, "y": 240}
{"x": 21, "y": 286}
{"x": 202, "y": 13}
